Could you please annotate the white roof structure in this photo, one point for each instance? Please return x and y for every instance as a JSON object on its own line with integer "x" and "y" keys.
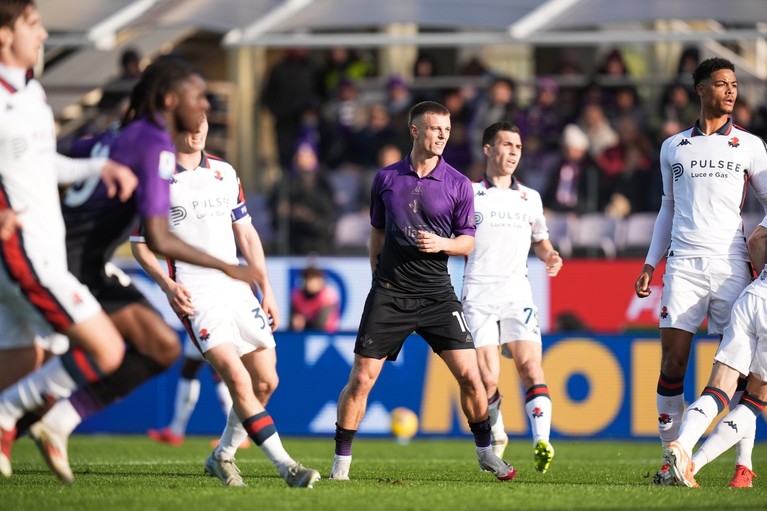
{"x": 317, "y": 23}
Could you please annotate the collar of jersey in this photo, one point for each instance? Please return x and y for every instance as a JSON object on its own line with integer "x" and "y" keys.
{"x": 490, "y": 184}
{"x": 438, "y": 173}
{"x": 724, "y": 130}
{"x": 204, "y": 163}
{"x": 12, "y": 79}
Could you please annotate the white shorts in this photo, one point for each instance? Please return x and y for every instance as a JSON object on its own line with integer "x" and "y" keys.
{"x": 228, "y": 312}
{"x": 500, "y": 323}
{"x": 744, "y": 344}
{"x": 695, "y": 288}
{"x": 38, "y": 303}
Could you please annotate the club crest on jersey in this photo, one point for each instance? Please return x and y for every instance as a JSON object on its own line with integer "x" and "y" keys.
{"x": 204, "y": 334}
{"x": 167, "y": 165}
{"x": 734, "y": 142}
{"x": 684, "y": 141}
{"x": 664, "y": 312}
{"x": 523, "y": 195}
{"x": 414, "y": 205}
{"x": 217, "y": 175}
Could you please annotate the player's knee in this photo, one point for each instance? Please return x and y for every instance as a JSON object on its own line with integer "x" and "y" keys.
{"x": 168, "y": 349}
{"x": 265, "y": 387}
{"x": 239, "y": 382}
{"x": 490, "y": 381}
{"x": 674, "y": 366}
{"x": 531, "y": 373}
{"x": 109, "y": 360}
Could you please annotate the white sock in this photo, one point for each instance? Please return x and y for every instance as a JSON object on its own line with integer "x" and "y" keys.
{"x": 29, "y": 393}
{"x": 737, "y": 424}
{"x": 62, "y": 417}
{"x": 497, "y": 428}
{"x": 671, "y": 409}
{"x": 745, "y": 446}
{"x": 697, "y": 418}
{"x": 224, "y": 397}
{"x": 276, "y": 452}
{"x": 234, "y": 434}
{"x": 538, "y": 412}
{"x": 187, "y": 395}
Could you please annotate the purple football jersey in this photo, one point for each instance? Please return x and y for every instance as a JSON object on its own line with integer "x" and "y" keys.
{"x": 148, "y": 150}
{"x": 403, "y": 204}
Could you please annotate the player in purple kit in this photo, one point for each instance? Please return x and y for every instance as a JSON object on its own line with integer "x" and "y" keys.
{"x": 169, "y": 97}
{"x": 422, "y": 211}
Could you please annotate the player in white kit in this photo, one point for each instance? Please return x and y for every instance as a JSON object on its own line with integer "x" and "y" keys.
{"x": 38, "y": 295}
{"x": 705, "y": 171}
{"x": 222, "y": 316}
{"x": 497, "y": 299}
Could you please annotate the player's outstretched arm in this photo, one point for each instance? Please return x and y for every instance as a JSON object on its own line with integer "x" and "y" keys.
{"x": 164, "y": 242}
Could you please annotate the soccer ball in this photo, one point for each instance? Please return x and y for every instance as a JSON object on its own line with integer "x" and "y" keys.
{"x": 404, "y": 423}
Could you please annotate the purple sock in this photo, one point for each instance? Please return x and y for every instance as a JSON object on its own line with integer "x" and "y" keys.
{"x": 85, "y": 403}
{"x": 481, "y": 431}
{"x": 344, "y": 439}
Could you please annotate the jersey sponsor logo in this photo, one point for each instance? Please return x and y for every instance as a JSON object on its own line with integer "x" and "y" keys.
{"x": 684, "y": 141}
{"x": 167, "y": 164}
{"x": 177, "y": 215}
{"x": 678, "y": 170}
{"x": 713, "y": 165}
{"x": 733, "y": 142}
{"x": 478, "y": 218}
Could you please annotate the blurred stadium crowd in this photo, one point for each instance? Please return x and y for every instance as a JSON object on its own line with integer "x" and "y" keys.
{"x": 591, "y": 144}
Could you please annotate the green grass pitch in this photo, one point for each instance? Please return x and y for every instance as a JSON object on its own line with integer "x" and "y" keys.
{"x": 133, "y": 473}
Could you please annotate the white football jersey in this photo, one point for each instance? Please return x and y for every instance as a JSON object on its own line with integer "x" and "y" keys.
{"x": 707, "y": 178}
{"x": 508, "y": 222}
{"x": 203, "y": 205}
{"x": 28, "y": 177}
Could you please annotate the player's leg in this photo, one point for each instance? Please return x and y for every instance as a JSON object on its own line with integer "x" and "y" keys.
{"x": 442, "y": 324}
{"x": 385, "y": 324}
{"x": 527, "y": 357}
{"x": 684, "y": 305}
{"x": 153, "y": 347}
{"x": 16, "y": 363}
{"x": 463, "y": 365}
{"x": 729, "y": 278}
{"x": 740, "y": 422}
{"x": 88, "y": 360}
{"x": 485, "y": 330}
{"x": 352, "y": 403}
